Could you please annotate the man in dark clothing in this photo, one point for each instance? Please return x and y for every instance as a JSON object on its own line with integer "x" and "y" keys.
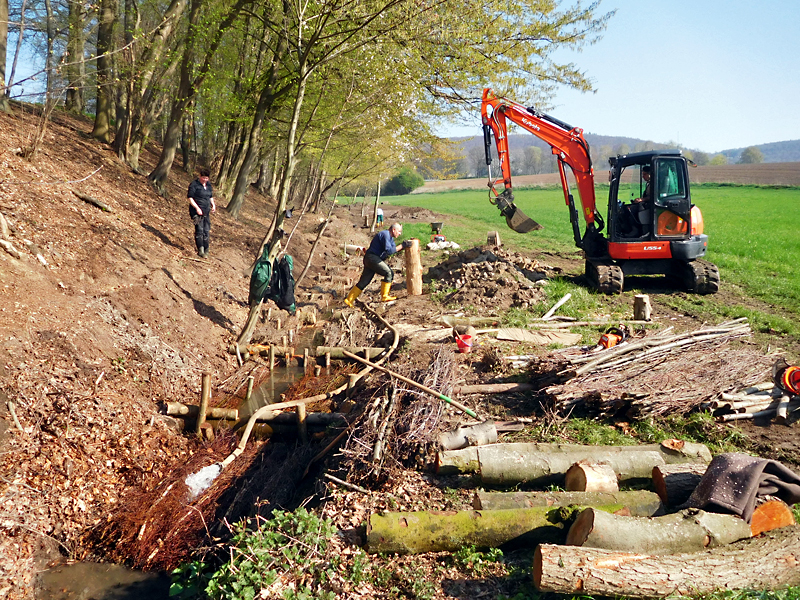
{"x": 381, "y": 248}
{"x": 201, "y": 205}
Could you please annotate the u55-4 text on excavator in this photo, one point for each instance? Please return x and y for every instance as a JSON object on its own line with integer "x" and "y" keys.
{"x": 653, "y": 227}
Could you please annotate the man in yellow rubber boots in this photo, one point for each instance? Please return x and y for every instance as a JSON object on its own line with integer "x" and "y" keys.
{"x": 381, "y": 248}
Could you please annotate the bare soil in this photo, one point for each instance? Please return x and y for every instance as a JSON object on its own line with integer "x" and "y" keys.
{"x": 106, "y": 315}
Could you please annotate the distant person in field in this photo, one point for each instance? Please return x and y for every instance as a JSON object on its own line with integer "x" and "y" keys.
{"x": 201, "y": 205}
{"x": 380, "y": 249}
{"x": 379, "y": 214}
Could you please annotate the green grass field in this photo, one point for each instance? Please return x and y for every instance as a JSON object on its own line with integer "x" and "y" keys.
{"x": 752, "y": 233}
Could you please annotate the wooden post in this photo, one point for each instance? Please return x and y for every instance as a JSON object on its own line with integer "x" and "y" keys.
{"x": 302, "y": 426}
{"x": 205, "y": 394}
{"x": 291, "y": 336}
{"x": 317, "y": 370}
{"x": 250, "y": 380}
{"x": 306, "y": 365}
{"x": 351, "y": 384}
{"x": 413, "y": 269}
{"x": 278, "y": 326}
{"x": 269, "y": 314}
{"x": 641, "y": 307}
{"x": 284, "y": 341}
{"x": 328, "y": 360}
{"x": 271, "y": 357}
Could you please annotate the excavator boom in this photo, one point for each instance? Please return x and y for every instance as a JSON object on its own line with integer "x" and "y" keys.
{"x": 568, "y": 145}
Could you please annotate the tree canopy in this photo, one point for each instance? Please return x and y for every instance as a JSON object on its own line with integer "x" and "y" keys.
{"x": 296, "y": 96}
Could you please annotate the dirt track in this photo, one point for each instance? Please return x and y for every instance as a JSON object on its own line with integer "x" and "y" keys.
{"x": 119, "y": 315}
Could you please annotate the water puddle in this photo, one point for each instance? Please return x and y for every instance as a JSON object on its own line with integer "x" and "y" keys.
{"x": 100, "y": 581}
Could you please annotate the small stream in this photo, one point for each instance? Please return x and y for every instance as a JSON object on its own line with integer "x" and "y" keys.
{"x": 102, "y": 581}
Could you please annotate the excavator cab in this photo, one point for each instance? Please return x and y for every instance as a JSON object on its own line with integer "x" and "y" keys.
{"x": 649, "y": 197}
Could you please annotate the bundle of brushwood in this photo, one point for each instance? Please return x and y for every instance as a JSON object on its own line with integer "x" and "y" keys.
{"x": 660, "y": 374}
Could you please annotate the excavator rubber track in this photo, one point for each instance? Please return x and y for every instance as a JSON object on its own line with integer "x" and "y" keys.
{"x": 699, "y": 277}
{"x": 606, "y": 277}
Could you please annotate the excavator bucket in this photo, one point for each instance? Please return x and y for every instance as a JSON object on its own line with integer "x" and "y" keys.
{"x": 520, "y": 222}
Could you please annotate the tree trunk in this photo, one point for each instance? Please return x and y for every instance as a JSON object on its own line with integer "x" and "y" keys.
{"x": 639, "y": 503}
{"x": 189, "y": 85}
{"x": 686, "y": 531}
{"x": 105, "y": 46}
{"x": 768, "y": 562}
{"x": 4, "y": 104}
{"x": 675, "y": 483}
{"x": 435, "y": 531}
{"x": 75, "y": 67}
{"x": 543, "y": 464}
{"x": 265, "y": 103}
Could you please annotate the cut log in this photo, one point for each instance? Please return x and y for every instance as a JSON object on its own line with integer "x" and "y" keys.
{"x": 771, "y": 513}
{"x": 338, "y": 352}
{"x": 413, "y": 269}
{"x": 94, "y": 201}
{"x": 675, "y": 483}
{"x": 767, "y": 562}
{"x": 512, "y": 464}
{"x": 641, "y": 307}
{"x": 639, "y": 503}
{"x": 493, "y": 388}
{"x": 474, "y": 435}
{"x": 178, "y": 409}
{"x": 438, "y": 531}
{"x": 685, "y": 531}
{"x": 586, "y": 476}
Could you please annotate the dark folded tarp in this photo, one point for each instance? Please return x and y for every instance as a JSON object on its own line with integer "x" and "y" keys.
{"x": 734, "y": 481}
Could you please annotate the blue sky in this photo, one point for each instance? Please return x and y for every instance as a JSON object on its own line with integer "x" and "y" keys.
{"x": 708, "y": 74}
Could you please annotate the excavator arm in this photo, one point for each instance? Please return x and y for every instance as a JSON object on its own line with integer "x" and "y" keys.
{"x": 570, "y": 149}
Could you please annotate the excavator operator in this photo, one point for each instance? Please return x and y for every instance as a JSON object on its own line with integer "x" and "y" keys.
{"x": 634, "y": 217}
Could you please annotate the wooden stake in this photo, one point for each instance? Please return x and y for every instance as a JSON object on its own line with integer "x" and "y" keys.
{"x": 413, "y": 269}
{"x": 205, "y": 394}
{"x": 351, "y": 384}
{"x": 306, "y": 364}
{"x": 250, "y": 381}
{"x": 291, "y": 336}
{"x": 317, "y": 370}
{"x": 271, "y": 357}
{"x": 302, "y": 427}
{"x": 328, "y": 360}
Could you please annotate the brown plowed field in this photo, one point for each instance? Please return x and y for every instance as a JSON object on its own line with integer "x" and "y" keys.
{"x": 761, "y": 174}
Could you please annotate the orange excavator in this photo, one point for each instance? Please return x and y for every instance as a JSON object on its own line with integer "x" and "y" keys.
{"x": 653, "y": 227}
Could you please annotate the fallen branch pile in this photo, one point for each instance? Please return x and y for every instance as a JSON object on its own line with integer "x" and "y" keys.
{"x": 660, "y": 374}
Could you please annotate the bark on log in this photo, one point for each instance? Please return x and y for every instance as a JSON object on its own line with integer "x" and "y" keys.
{"x": 474, "y": 435}
{"x": 178, "y": 409}
{"x": 510, "y": 464}
{"x": 684, "y": 531}
{"x": 413, "y": 269}
{"x": 337, "y": 352}
{"x": 675, "y": 483}
{"x": 94, "y": 201}
{"x": 586, "y": 476}
{"x": 447, "y": 531}
{"x": 767, "y": 562}
{"x": 639, "y": 503}
{"x": 9, "y": 247}
{"x": 493, "y": 388}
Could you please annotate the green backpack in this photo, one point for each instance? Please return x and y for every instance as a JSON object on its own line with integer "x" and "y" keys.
{"x": 260, "y": 278}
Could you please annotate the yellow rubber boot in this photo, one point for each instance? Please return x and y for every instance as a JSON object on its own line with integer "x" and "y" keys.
{"x": 385, "y": 297}
{"x": 351, "y": 297}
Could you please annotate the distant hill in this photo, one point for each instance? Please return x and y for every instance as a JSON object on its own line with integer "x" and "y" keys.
{"x": 603, "y": 146}
{"x": 773, "y": 152}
